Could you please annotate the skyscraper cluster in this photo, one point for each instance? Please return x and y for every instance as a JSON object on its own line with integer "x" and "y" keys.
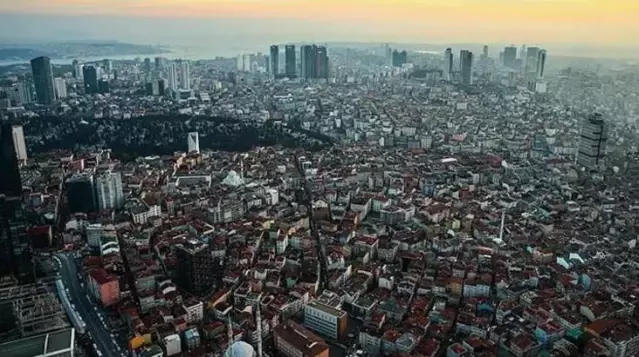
{"x": 313, "y": 62}
{"x": 466, "y": 58}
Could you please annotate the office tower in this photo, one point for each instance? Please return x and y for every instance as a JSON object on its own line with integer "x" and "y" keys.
{"x": 60, "y": 88}
{"x": 10, "y": 182}
{"x": 510, "y": 56}
{"x": 290, "y": 61}
{"x": 466, "y": 67}
{"x": 173, "y": 81}
{"x": 531, "y": 59}
{"x": 240, "y": 63}
{"x": 103, "y": 86}
{"x": 108, "y": 65}
{"x": 193, "y": 142}
{"x": 185, "y": 75}
{"x": 90, "y": 75}
{"x": 80, "y": 190}
{"x": 24, "y": 94}
{"x": 78, "y": 71}
{"x": 321, "y": 60}
{"x": 43, "y": 80}
{"x": 156, "y": 87}
{"x": 195, "y": 271}
{"x": 16, "y": 256}
{"x": 275, "y": 60}
{"x": 159, "y": 63}
{"x": 147, "y": 65}
{"x": 109, "y": 193}
{"x": 485, "y": 52}
{"x": 399, "y": 58}
{"x": 541, "y": 63}
{"x": 19, "y": 144}
{"x": 247, "y": 63}
{"x": 448, "y": 63}
{"x": 592, "y": 144}
{"x": 307, "y": 61}
{"x": 388, "y": 55}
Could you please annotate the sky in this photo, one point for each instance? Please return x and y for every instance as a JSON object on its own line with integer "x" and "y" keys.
{"x": 591, "y": 22}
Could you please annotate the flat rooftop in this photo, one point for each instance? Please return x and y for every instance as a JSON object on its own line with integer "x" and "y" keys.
{"x": 55, "y": 344}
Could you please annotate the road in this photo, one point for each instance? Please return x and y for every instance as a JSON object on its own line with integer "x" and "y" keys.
{"x": 101, "y": 336}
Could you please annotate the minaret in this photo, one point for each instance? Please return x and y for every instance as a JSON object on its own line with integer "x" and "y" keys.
{"x": 258, "y": 321}
{"x": 242, "y": 168}
{"x": 230, "y": 333}
{"x": 501, "y": 228}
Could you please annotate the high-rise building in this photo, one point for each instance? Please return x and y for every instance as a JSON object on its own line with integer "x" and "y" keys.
{"x": 275, "y": 60}
{"x": 10, "y": 181}
{"x": 388, "y": 55}
{"x": 592, "y": 144}
{"x": 290, "y": 61}
{"x": 159, "y": 63}
{"x": 185, "y": 75}
{"x": 399, "y": 58}
{"x": 16, "y": 256}
{"x": 18, "y": 143}
{"x": 485, "y": 52}
{"x": 24, "y": 93}
{"x": 532, "y": 54}
{"x": 239, "y": 63}
{"x": 510, "y": 56}
{"x": 147, "y": 65}
{"x": 321, "y": 62}
{"x": 193, "y": 142}
{"x": 307, "y": 61}
{"x": 78, "y": 70}
{"x": 108, "y": 65}
{"x": 196, "y": 267}
{"x": 448, "y": 63}
{"x": 247, "y": 62}
{"x": 466, "y": 67}
{"x": 103, "y": 86}
{"x": 43, "y": 80}
{"x": 173, "y": 80}
{"x": 109, "y": 193}
{"x": 90, "y": 74}
{"x": 80, "y": 189}
{"x": 60, "y": 88}
{"x": 541, "y": 64}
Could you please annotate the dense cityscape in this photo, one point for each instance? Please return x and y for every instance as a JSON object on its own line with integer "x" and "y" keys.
{"x": 318, "y": 200}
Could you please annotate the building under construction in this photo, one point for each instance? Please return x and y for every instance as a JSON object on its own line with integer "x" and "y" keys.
{"x": 31, "y": 309}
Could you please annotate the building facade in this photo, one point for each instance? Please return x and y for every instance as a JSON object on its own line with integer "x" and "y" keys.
{"x": 109, "y": 192}
{"x": 592, "y": 144}
{"x": 326, "y": 320}
{"x": 43, "y": 80}
{"x": 466, "y": 67}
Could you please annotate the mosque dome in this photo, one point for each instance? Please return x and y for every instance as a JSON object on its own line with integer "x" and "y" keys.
{"x": 240, "y": 349}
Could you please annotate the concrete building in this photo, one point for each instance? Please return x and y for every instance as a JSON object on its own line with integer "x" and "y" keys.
{"x": 104, "y": 287}
{"x": 592, "y": 144}
{"x": 294, "y": 340}
{"x": 19, "y": 143}
{"x": 173, "y": 78}
{"x": 60, "y": 88}
{"x": 193, "y": 142}
{"x": 185, "y": 75}
{"x": 109, "y": 190}
{"x": 326, "y": 320}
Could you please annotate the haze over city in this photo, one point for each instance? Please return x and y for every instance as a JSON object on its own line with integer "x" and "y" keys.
{"x": 604, "y": 27}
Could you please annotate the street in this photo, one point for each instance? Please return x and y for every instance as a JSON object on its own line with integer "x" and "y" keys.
{"x": 101, "y": 336}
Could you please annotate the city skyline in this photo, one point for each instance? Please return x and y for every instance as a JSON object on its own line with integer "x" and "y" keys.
{"x": 491, "y": 21}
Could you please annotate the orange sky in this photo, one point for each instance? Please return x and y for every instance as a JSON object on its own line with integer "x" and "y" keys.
{"x": 594, "y": 21}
